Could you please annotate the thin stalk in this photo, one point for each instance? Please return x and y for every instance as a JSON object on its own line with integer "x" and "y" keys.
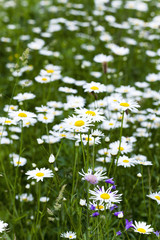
{"x": 120, "y": 140}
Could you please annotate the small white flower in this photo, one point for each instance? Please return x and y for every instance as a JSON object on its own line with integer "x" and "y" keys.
{"x": 3, "y": 226}
{"x": 40, "y": 141}
{"x": 51, "y": 158}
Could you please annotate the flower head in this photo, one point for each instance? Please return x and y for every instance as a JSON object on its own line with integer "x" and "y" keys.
{"x": 69, "y": 235}
{"x": 39, "y": 174}
{"x": 142, "y": 228}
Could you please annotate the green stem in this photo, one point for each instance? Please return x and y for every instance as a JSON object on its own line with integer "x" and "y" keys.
{"x": 120, "y": 140}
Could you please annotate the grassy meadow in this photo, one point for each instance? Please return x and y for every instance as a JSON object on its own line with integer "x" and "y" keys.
{"x": 80, "y": 119}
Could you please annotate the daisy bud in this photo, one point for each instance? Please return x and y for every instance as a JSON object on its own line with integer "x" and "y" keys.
{"x": 107, "y": 139}
{"x": 27, "y": 186}
{"x": 40, "y": 141}
{"x": 139, "y": 175}
{"x": 51, "y": 158}
{"x": 120, "y": 215}
{"x": 33, "y": 165}
{"x": 56, "y": 169}
{"x": 82, "y": 202}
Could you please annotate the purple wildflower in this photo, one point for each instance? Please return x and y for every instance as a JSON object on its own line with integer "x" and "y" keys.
{"x": 95, "y": 214}
{"x": 128, "y": 224}
{"x": 92, "y": 207}
{"x": 118, "y": 233}
{"x": 113, "y": 207}
{"x": 109, "y": 181}
{"x": 157, "y": 233}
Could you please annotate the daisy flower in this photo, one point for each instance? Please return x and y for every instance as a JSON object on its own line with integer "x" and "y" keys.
{"x": 3, "y": 226}
{"x": 127, "y": 104}
{"x": 97, "y": 133}
{"x": 101, "y": 207}
{"x": 93, "y": 115}
{"x": 105, "y": 196}
{"x": 45, "y": 118}
{"x": 92, "y": 140}
{"x": 124, "y": 148}
{"x": 21, "y": 115}
{"x": 24, "y": 96}
{"x": 39, "y": 174}
{"x": 77, "y": 124}
{"x": 19, "y": 161}
{"x": 126, "y": 162}
{"x": 24, "y": 197}
{"x": 100, "y": 58}
{"x": 93, "y": 178}
{"x": 69, "y": 235}
{"x": 7, "y": 121}
{"x": 155, "y": 196}
{"x": 94, "y": 87}
{"x": 42, "y": 79}
{"x": 142, "y": 228}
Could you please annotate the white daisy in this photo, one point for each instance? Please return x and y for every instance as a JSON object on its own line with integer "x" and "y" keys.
{"x": 42, "y": 79}
{"x": 69, "y": 235}
{"x": 94, "y": 87}
{"x": 124, "y": 148}
{"x": 125, "y": 104}
{"x": 92, "y": 140}
{"x": 24, "y": 96}
{"x": 142, "y": 228}
{"x": 24, "y": 197}
{"x": 94, "y": 115}
{"x": 155, "y": 196}
{"x": 93, "y": 178}
{"x": 105, "y": 196}
{"x": 126, "y": 161}
{"x": 3, "y": 226}
{"x": 100, "y": 58}
{"x": 77, "y": 124}
{"x": 21, "y": 115}
{"x": 39, "y": 174}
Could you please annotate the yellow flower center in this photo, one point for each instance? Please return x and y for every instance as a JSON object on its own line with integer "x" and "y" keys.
{"x": 141, "y": 230}
{"x": 114, "y": 100}
{"x": 70, "y": 236}
{"x": 94, "y": 88}
{"x": 110, "y": 124}
{"x": 157, "y": 197}
{"x": 18, "y": 163}
{"x": 121, "y": 148}
{"x": 90, "y": 139}
{"x": 126, "y": 161}
{"x": 0, "y": 134}
{"x": 62, "y": 135}
{"x": 44, "y": 79}
{"x": 22, "y": 115}
{"x": 12, "y": 108}
{"x": 7, "y": 121}
{"x": 39, "y": 174}
{"x": 99, "y": 207}
{"x": 124, "y": 104}
{"x": 90, "y": 113}
{"x": 50, "y": 71}
{"x": 106, "y": 153}
{"x": 45, "y": 118}
{"x": 79, "y": 123}
{"x": 105, "y": 196}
